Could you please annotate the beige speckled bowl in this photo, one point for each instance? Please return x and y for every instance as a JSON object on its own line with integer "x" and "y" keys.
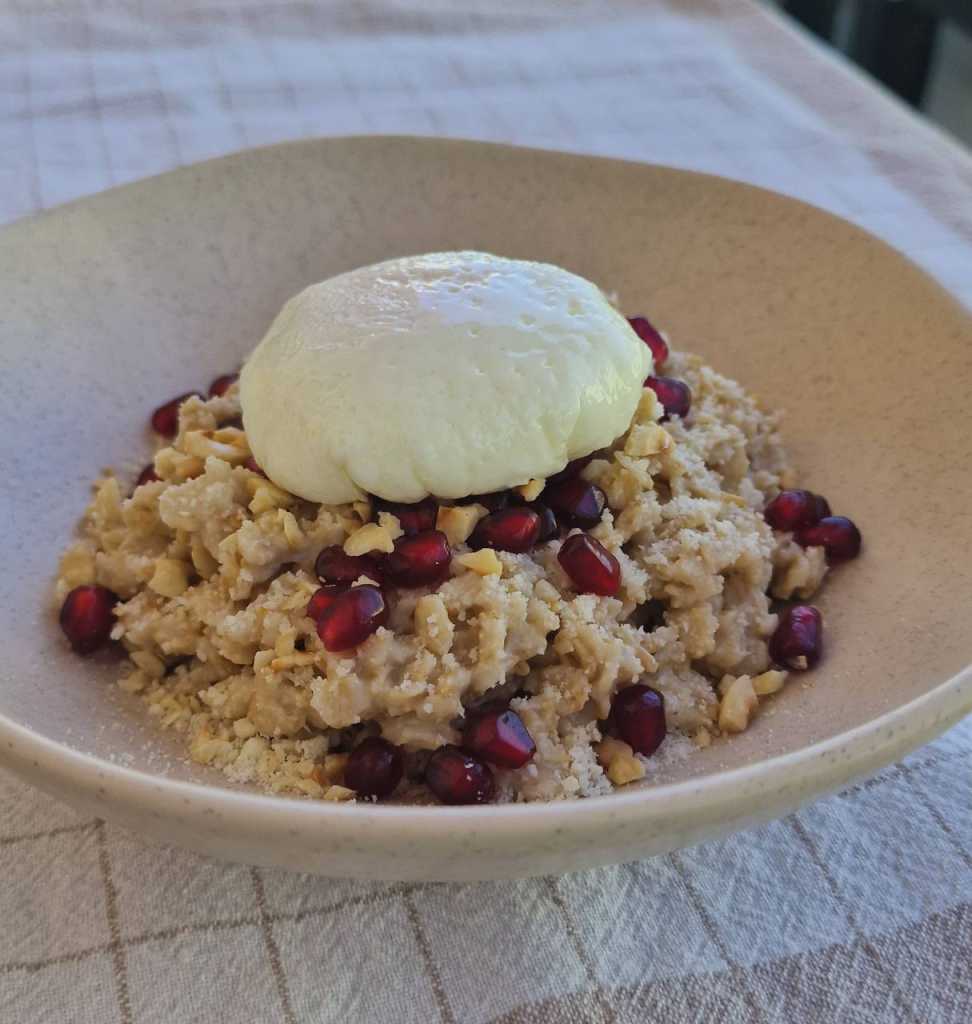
{"x": 116, "y": 302}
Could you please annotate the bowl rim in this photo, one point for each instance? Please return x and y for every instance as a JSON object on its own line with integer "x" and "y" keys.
{"x": 825, "y": 765}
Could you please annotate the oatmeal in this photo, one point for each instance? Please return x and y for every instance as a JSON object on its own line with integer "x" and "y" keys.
{"x": 559, "y": 638}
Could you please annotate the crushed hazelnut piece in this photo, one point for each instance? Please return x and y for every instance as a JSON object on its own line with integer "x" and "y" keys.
{"x": 768, "y": 682}
{"x": 457, "y": 522}
{"x": 203, "y": 444}
{"x": 362, "y": 509}
{"x": 530, "y": 491}
{"x": 170, "y": 578}
{"x": 619, "y": 761}
{"x": 339, "y": 794}
{"x": 647, "y": 439}
{"x": 268, "y": 496}
{"x": 370, "y": 537}
{"x": 390, "y": 524}
{"x": 483, "y": 562}
{"x": 737, "y": 704}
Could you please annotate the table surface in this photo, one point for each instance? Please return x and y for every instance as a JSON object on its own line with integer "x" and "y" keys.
{"x": 858, "y": 909}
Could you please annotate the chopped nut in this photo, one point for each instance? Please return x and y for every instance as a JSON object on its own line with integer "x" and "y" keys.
{"x": 457, "y": 522}
{"x": 370, "y": 537}
{"x": 735, "y": 499}
{"x": 267, "y": 496}
{"x": 703, "y": 738}
{"x": 768, "y": 682}
{"x": 530, "y": 491}
{"x": 284, "y": 644}
{"x": 291, "y": 529}
{"x": 170, "y": 578}
{"x": 619, "y": 761}
{"x": 483, "y": 562}
{"x": 737, "y": 704}
{"x": 647, "y": 439}
{"x": 338, "y": 794}
{"x": 202, "y": 560}
{"x": 390, "y": 524}
{"x": 203, "y": 444}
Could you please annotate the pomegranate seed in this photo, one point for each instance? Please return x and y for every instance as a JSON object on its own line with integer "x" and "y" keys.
{"x": 374, "y": 768}
{"x": 514, "y": 529}
{"x": 837, "y": 535}
{"x": 352, "y": 617}
{"x": 413, "y": 518}
{"x": 492, "y": 502}
{"x": 420, "y": 560}
{"x": 147, "y": 476}
{"x": 674, "y": 395}
{"x": 576, "y": 502}
{"x": 591, "y": 567}
{"x": 87, "y": 616}
{"x": 499, "y": 736}
{"x": 790, "y": 510}
{"x": 798, "y": 641}
{"x": 548, "y": 521}
{"x": 221, "y": 385}
{"x": 322, "y": 599}
{"x": 334, "y": 566}
{"x": 571, "y": 469}
{"x": 638, "y": 713}
{"x": 822, "y": 507}
{"x": 651, "y": 337}
{"x": 456, "y": 777}
{"x": 165, "y": 419}
{"x": 253, "y": 466}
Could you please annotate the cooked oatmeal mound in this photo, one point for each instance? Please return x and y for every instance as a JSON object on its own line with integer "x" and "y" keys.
{"x": 214, "y": 568}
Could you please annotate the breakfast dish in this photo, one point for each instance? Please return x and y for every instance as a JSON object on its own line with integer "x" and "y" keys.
{"x": 459, "y": 531}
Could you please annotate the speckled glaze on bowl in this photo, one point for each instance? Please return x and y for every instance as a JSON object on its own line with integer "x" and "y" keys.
{"x": 115, "y": 303}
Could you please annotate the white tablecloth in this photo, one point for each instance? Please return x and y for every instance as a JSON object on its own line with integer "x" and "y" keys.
{"x": 855, "y": 910}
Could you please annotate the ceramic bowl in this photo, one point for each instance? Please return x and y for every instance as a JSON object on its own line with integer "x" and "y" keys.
{"x": 115, "y": 303}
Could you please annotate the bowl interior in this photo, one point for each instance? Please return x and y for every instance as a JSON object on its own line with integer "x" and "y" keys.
{"x": 115, "y": 303}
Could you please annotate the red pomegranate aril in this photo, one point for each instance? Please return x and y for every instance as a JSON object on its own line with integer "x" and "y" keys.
{"x": 147, "y": 476}
{"x": 499, "y": 737}
{"x": 374, "y": 768}
{"x": 514, "y": 529}
{"x": 548, "y": 521}
{"x": 323, "y": 598}
{"x": 165, "y": 419}
{"x": 837, "y": 535}
{"x": 575, "y": 502}
{"x": 652, "y": 338}
{"x": 420, "y": 560}
{"x": 590, "y": 566}
{"x": 352, "y": 617}
{"x": 674, "y": 395}
{"x": 790, "y": 510}
{"x": 638, "y": 714}
{"x": 797, "y": 642}
{"x": 334, "y": 566}
{"x": 456, "y": 777}
{"x": 87, "y": 616}
{"x": 571, "y": 469}
{"x": 221, "y": 385}
{"x": 413, "y": 518}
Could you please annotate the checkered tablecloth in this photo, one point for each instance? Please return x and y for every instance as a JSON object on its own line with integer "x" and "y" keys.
{"x": 857, "y": 910}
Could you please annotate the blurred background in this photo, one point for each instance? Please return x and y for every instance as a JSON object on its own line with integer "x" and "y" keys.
{"x": 920, "y": 49}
